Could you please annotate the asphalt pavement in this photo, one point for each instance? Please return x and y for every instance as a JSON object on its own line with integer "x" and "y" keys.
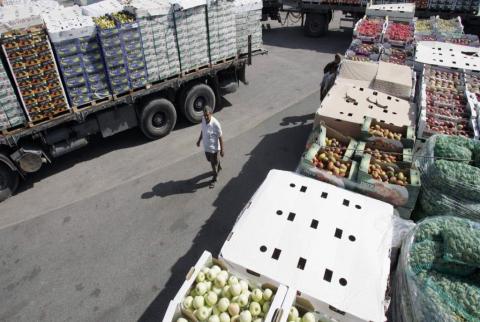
{"x": 108, "y": 233}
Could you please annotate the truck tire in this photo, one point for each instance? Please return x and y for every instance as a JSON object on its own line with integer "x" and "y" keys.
{"x": 194, "y": 99}
{"x": 158, "y": 118}
{"x": 8, "y": 181}
{"x": 316, "y": 24}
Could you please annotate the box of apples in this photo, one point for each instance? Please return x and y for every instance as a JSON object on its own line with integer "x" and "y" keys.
{"x": 369, "y": 29}
{"x": 399, "y": 33}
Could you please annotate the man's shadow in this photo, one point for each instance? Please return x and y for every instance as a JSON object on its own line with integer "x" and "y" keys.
{"x": 171, "y": 187}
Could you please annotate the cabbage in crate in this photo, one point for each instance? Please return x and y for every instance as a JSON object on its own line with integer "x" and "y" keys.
{"x": 218, "y": 296}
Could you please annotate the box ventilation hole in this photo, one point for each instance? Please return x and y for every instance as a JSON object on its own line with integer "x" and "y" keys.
{"x": 276, "y": 253}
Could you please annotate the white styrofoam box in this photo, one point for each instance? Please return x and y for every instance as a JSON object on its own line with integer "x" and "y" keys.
{"x": 187, "y": 4}
{"x": 447, "y": 55}
{"x": 102, "y": 8}
{"x": 394, "y": 11}
{"x": 174, "y": 310}
{"x": 145, "y": 8}
{"x": 18, "y": 17}
{"x": 241, "y": 6}
{"x": 61, "y": 28}
{"x": 330, "y": 243}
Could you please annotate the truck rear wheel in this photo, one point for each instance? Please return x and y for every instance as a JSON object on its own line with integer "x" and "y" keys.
{"x": 316, "y": 24}
{"x": 158, "y": 118}
{"x": 8, "y": 181}
{"x": 194, "y": 99}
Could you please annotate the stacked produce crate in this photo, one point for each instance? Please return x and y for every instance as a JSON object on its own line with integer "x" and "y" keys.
{"x": 11, "y": 114}
{"x": 248, "y": 15}
{"x": 222, "y": 30}
{"x": 366, "y": 45}
{"x": 444, "y": 104}
{"x": 158, "y": 38}
{"x": 33, "y": 66}
{"x": 190, "y": 22}
{"x": 122, "y": 50}
{"x": 398, "y": 43}
{"x": 78, "y": 52}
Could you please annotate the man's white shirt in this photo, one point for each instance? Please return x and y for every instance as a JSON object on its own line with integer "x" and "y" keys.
{"x": 211, "y": 133}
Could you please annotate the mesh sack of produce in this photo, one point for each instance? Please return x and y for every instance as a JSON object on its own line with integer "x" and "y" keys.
{"x": 450, "y": 176}
{"x": 433, "y": 282}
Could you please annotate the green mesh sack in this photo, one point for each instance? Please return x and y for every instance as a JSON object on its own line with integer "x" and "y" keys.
{"x": 456, "y": 179}
{"x": 453, "y": 148}
{"x": 429, "y": 288}
{"x": 429, "y": 255}
{"x": 462, "y": 245}
{"x": 434, "y": 202}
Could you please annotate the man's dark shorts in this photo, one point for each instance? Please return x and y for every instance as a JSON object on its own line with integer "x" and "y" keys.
{"x": 212, "y": 157}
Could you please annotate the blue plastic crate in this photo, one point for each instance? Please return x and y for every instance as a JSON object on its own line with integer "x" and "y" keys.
{"x": 97, "y": 86}
{"x": 119, "y": 71}
{"x": 137, "y": 74}
{"x": 94, "y": 68}
{"x": 72, "y": 70}
{"x": 66, "y": 48}
{"x": 79, "y": 90}
{"x": 97, "y": 77}
{"x": 114, "y": 62}
{"x": 105, "y": 33}
{"x": 76, "y": 81}
{"x": 112, "y": 52}
{"x": 139, "y": 82}
{"x": 119, "y": 89}
{"x": 136, "y": 65}
{"x": 117, "y": 81}
{"x": 70, "y": 60}
{"x": 111, "y": 42}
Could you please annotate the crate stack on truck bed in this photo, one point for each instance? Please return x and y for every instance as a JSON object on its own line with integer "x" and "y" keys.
{"x": 106, "y": 50}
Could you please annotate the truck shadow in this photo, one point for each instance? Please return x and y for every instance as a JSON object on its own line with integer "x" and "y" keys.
{"x": 99, "y": 146}
{"x": 293, "y": 37}
{"x": 279, "y": 150}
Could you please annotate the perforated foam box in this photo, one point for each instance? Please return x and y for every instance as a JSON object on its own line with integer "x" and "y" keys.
{"x": 175, "y": 310}
{"x": 318, "y": 239}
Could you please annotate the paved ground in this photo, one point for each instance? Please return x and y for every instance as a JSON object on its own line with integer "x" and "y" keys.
{"x": 107, "y": 233}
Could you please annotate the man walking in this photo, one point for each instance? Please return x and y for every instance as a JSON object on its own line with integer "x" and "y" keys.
{"x": 329, "y": 76}
{"x": 211, "y": 135}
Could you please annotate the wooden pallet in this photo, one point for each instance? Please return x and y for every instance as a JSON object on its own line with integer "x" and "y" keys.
{"x": 160, "y": 81}
{"x": 91, "y": 104}
{"x": 130, "y": 92}
{"x": 196, "y": 69}
{"x": 225, "y": 60}
{"x": 48, "y": 118}
{"x": 13, "y": 129}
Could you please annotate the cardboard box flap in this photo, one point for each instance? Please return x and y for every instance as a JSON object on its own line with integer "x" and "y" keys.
{"x": 448, "y": 55}
{"x": 358, "y": 70}
{"x": 322, "y": 240}
{"x": 394, "y": 79}
{"x": 353, "y": 103}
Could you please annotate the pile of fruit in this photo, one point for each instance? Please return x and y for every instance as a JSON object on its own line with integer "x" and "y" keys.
{"x": 448, "y": 26}
{"x": 104, "y": 22}
{"x": 442, "y": 126}
{"x": 333, "y": 145}
{"x": 218, "y": 296}
{"x": 377, "y": 130}
{"x": 381, "y": 156}
{"x": 124, "y": 17}
{"x": 364, "y": 49}
{"x": 397, "y": 56}
{"x": 355, "y": 57}
{"x": 464, "y": 40}
{"x": 425, "y": 38}
{"x": 388, "y": 174}
{"x": 332, "y": 162}
{"x": 446, "y": 103}
{"x": 399, "y": 32}
{"x": 370, "y": 27}
{"x": 424, "y": 26}
{"x": 294, "y": 316}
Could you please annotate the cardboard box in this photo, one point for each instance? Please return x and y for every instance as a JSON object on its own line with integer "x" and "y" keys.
{"x": 404, "y": 156}
{"x": 446, "y": 55}
{"x": 321, "y": 240}
{"x": 346, "y": 107}
{"x": 394, "y": 11}
{"x": 407, "y": 132}
{"x": 412, "y": 188}
{"x": 175, "y": 310}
